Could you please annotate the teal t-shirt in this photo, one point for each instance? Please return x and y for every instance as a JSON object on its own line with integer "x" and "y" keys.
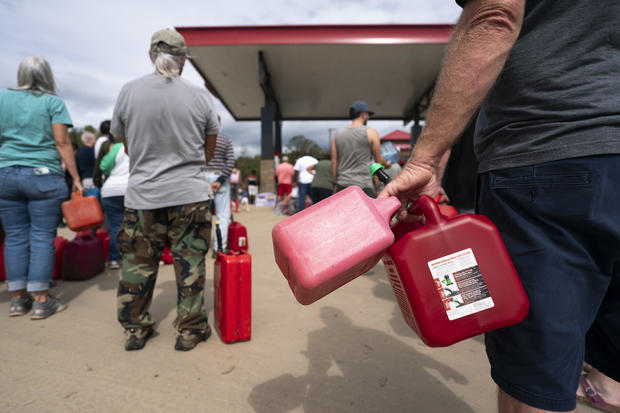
{"x": 26, "y": 137}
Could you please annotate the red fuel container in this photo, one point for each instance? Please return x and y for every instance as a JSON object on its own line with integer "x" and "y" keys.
{"x": 82, "y": 258}
{"x": 333, "y": 242}
{"x": 237, "y": 237}
{"x": 59, "y": 245}
{"x": 82, "y": 212}
{"x": 453, "y": 278}
{"x": 232, "y": 290}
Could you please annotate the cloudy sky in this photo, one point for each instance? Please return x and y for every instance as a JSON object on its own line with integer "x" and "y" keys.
{"x": 94, "y": 47}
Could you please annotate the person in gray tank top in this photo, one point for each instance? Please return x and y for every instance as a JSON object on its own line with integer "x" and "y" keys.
{"x": 352, "y": 150}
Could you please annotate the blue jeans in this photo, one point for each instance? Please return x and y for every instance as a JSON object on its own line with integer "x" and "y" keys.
{"x": 222, "y": 208}
{"x": 114, "y": 210}
{"x": 304, "y": 189}
{"x": 30, "y": 213}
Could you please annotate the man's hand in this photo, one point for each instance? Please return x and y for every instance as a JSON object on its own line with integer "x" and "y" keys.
{"x": 418, "y": 177}
{"x": 215, "y": 186}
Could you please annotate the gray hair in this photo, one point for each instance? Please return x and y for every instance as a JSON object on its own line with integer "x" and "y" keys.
{"x": 35, "y": 75}
{"x": 88, "y": 136}
{"x": 167, "y": 65}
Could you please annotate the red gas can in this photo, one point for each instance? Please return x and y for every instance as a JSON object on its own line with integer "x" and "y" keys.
{"x": 59, "y": 245}
{"x": 333, "y": 242}
{"x": 232, "y": 290}
{"x": 453, "y": 278}
{"x": 82, "y": 258}
{"x": 82, "y": 212}
{"x": 237, "y": 237}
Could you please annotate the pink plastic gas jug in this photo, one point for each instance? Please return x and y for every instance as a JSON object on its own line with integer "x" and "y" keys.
{"x": 332, "y": 242}
{"x": 452, "y": 277}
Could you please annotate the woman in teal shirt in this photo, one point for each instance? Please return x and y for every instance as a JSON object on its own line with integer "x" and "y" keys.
{"x": 34, "y": 138}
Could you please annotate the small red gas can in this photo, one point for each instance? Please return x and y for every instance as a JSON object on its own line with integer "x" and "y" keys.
{"x": 82, "y": 258}
{"x": 82, "y": 212}
{"x": 232, "y": 290}
{"x": 452, "y": 277}
{"x": 237, "y": 237}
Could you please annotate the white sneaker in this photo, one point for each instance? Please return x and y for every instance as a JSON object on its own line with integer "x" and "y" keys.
{"x": 114, "y": 265}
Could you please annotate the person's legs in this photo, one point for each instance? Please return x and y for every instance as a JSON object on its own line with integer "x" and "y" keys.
{"x": 189, "y": 233}
{"x": 222, "y": 208}
{"x": 46, "y": 194}
{"x": 113, "y": 208}
{"x": 560, "y": 223}
{"x": 301, "y": 201}
{"x": 16, "y": 224}
{"x": 141, "y": 241}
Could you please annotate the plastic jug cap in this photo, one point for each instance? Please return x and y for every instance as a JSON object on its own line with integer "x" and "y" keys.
{"x": 375, "y": 167}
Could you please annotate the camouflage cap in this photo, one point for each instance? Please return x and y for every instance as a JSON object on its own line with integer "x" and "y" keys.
{"x": 168, "y": 41}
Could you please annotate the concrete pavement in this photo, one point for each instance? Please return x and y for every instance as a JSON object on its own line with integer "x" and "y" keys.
{"x": 348, "y": 352}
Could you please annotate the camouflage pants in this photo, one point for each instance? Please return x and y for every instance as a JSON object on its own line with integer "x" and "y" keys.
{"x": 141, "y": 240}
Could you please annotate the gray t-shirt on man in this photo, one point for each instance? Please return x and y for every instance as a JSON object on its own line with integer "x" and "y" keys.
{"x": 165, "y": 122}
{"x": 557, "y": 96}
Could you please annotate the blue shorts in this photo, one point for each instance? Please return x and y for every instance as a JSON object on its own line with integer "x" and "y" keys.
{"x": 560, "y": 222}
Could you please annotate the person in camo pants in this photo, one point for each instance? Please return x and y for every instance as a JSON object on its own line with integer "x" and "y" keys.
{"x": 169, "y": 128}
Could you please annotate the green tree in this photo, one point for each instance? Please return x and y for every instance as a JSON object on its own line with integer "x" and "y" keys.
{"x": 299, "y": 146}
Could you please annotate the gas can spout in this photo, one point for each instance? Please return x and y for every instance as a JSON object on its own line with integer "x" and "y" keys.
{"x": 387, "y": 207}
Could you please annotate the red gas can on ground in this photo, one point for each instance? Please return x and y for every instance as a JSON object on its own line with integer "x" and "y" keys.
{"x": 237, "y": 237}
{"x": 232, "y": 290}
{"x": 453, "y": 278}
{"x": 333, "y": 242}
{"x": 82, "y": 258}
{"x": 59, "y": 245}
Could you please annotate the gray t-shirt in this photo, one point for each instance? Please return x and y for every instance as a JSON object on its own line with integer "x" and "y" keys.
{"x": 165, "y": 122}
{"x": 354, "y": 158}
{"x": 557, "y": 96}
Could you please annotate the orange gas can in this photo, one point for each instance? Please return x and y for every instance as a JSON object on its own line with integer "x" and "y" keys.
{"x": 82, "y": 212}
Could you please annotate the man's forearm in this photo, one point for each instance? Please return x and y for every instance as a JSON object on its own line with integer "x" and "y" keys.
{"x": 475, "y": 56}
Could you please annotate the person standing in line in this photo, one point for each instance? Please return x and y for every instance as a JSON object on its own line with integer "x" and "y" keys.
{"x": 115, "y": 166}
{"x": 284, "y": 177}
{"x": 104, "y": 130}
{"x": 352, "y": 150}
{"x": 235, "y": 178}
{"x": 547, "y": 140}
{"x": 169, "y": 129}
{"x": 322, "y": 184}
{"x": 217, "y": 173}
{"x": 252, "y": 186}
{"x": 34, "y": 138}
{"x": 304, "y": 178}
{"x": 85, "y": 159}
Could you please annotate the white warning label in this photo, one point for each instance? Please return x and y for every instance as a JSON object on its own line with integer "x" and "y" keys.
{"x": 460, "y": 284}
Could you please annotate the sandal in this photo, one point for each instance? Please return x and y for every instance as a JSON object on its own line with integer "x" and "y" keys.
{"x": 20, "y": 306}
{"x": 593, "y": 399}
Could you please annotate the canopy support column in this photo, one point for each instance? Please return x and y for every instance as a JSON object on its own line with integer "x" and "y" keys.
{"x": 271, "y": 127}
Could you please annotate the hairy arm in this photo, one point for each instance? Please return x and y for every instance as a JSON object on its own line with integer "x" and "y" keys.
{"x": 476, "y": 54}
{"x": 65, "y": 149}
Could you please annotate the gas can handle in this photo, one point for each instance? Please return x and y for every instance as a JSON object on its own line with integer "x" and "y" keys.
{"x": 76, "y": 195}
{"x": 427, "y": 206}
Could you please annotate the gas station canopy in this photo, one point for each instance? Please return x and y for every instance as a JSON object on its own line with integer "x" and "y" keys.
{"x": 315, "y": 72}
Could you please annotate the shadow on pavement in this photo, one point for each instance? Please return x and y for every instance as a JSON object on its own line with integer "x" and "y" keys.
{"x": 357, "y": 369}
